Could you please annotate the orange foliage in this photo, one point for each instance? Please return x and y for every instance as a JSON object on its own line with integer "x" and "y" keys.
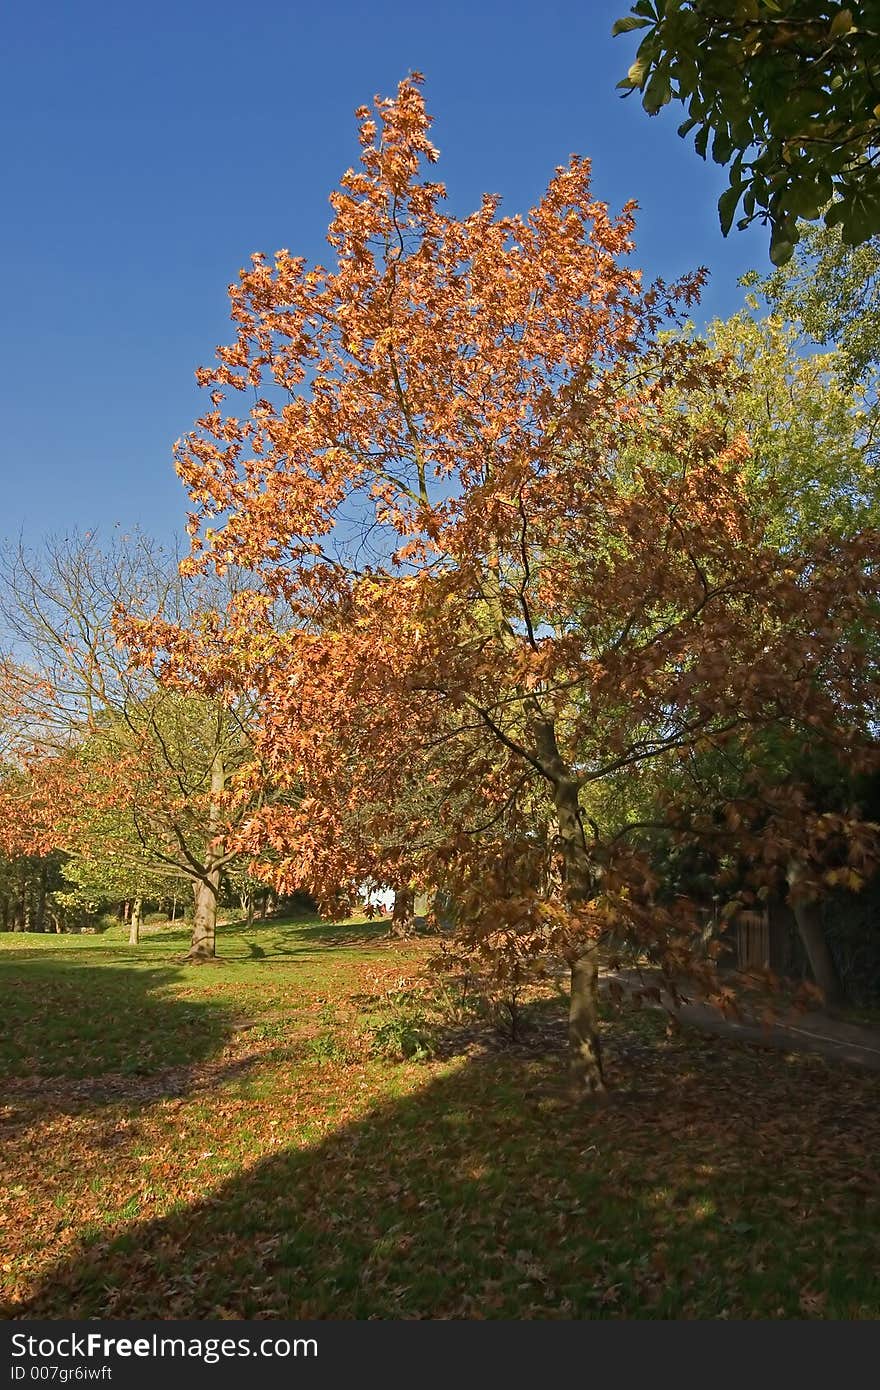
{"x": 497, "y": 565}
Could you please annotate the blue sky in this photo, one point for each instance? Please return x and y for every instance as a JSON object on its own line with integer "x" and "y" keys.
{"x": 148, "y": 150}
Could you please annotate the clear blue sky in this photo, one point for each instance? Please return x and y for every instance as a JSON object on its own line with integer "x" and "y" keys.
{"x": 149, "y": 149}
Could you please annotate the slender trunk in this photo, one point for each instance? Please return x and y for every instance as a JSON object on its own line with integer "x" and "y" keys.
{"x": 174, "y": 908}
{"x": 40, "y": 922}
{"x": 134, "y": 929}
{"x": 126, "y": 911}
{"x": 585, "y": 1053}
{"x": 206, "y": 891}
{"x": 808, "y": 919}
{"x": 24, "y": 907}
{"x": 585, "y": 1049}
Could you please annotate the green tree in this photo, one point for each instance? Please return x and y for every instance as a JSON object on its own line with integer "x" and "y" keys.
{"x": 788, "y": 92}
{"x": 832, "y": 292}
{"x": 811, "y": 467}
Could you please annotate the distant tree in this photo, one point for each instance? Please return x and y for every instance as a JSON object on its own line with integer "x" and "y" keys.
{"x": 832, "y": 292}
{"x": 788, "y": 91}
{"x": 122, "y": 771}
{"x": 811, "y": 430}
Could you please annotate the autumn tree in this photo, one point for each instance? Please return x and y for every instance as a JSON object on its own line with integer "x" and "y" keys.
{"x": 121, "y": 769}
{"x": 511, "y": 572}
{"x": 787, "y": 93}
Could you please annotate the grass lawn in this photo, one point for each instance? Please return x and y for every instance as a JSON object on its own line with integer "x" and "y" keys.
{"x": 225, "y": 1141}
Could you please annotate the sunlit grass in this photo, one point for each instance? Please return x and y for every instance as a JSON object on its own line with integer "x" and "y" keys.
{"x": 226, "y": 1141}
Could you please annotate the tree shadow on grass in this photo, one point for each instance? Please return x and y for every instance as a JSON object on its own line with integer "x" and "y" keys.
{"x": 69, "y": 1020}
{"x": 371, "y": 931}
{"x": 723, "y": 1186}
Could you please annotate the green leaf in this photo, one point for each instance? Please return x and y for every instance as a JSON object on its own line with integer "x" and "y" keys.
{"x": 780, "y": 248}
{"x": 727, "y": 205}
{"x": 657, "y": 92}
{"x": 807, "y": 197}
{"x": 860, "y": 221}
{"x": 623, "y": 26}
{"x": 841, "y": 24}
{"x": 701, "y": 140}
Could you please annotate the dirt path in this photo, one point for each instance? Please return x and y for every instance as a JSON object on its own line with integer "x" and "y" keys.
{"x": 814, "y": 1032}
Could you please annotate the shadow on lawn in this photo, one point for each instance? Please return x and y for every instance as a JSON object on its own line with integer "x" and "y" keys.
{"x": 487, "y": 1194}
{"x": 369, "y": 931}
{"x": 64, "y": 1019}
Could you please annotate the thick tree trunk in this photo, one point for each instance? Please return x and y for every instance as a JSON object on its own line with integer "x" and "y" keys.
{"x": 444, "y": 912}
{"x": 204, "y": 936}
{"x": 808, "y": 918}
{"x": 134, "y": 926}
{"x": 402, "y": 917}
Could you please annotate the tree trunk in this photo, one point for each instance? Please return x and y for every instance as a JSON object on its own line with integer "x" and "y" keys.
{"x": 206, "y": 891}
{"x": 204, "y": 936}
{"x": 808, "y": 918}
{"x": 585, "y": 1053}
{"x": 134, "y": 928}
{"x": 585, "y": 1049}
{"x": 402, "y": 918}
{"x": 40, "y": 922}
{"x": 24, "y": 905}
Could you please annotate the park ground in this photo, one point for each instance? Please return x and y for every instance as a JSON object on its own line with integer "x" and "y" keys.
{"x": 303, "y": 1131}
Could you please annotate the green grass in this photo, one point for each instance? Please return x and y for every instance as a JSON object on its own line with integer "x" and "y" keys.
{"x": 230, "y": 1140}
